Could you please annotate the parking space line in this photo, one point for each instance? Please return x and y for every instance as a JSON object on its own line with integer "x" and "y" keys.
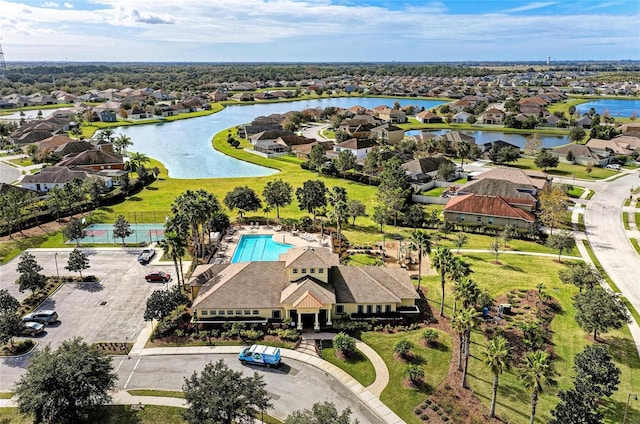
{"x": 132, "y": 371}
{"x": 119, "y": 365}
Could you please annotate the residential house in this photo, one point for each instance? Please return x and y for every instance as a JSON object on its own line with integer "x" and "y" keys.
{"x": 493, "y": 116}
{"x": 461, "y": 118}
{"x": 38, "y": 130}
{"x": 584, "y": 122}
{"x": 620, "y": 145}
{"x": 481, "y": 210}
{"x": 392, "y": 116}
{"x": 424, "y": 169}
{"x": 499, "y": 144}
{"x": 532, "y": 181}
{"x": 270, "y": 136}
{"x": 360, "y": 147}
{"x": 523, "y": 196}
{"x": 455, "y": 137}
{"x": 428, "y": 117}
{"x": 93, "y": 159}
{"x": 302, "y": 151}
{"x": 242, "y": 97}
{"x": 56, "y": 176}
{"x": 582, "y": 155}
{"x": 388, "y": 133}
{"x": 307, "y": 285}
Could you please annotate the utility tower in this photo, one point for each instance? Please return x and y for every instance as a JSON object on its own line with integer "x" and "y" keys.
{"x": 3, "y": 66}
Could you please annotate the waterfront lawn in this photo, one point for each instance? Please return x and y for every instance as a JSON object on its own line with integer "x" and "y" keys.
{"x": 567, "y": 170}
{"x": 525, "y": 273}
{"x": 113, "y": 414}
{"x": 401, "y": 398}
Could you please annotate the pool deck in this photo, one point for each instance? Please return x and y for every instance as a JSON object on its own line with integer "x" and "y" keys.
{"x": 295, "y": 238}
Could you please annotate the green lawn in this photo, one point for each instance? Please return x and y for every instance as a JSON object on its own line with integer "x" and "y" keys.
{"x": 625, "y": 220}
{"x": 519, "y": 272}
{"x": 590, "y": 195}
{"x": 434, "y": 361}
{"x": 158, "y": 393}
{"x": 6, "y": 395}
{"x": 567, "y": 170}
{"x": 357, "y": 366}
{"x": 361, "y": 259}
{"x": 115, "y": 414}
{"x": 575, "y": 192}
{"x": 637, "y": 219}
{"x": 434, "y": 192}
{"x": 634, "y": 243}
{"x": 26, "y": 161}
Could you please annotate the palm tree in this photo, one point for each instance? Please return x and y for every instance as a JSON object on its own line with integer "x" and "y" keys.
{"x": 536, "y": 373}
{"x": 338, "y": 199}
{"x": 121, "y": 142}
{"x": 175, "y": 246}
{"x": 464, "y": 149}
{"x": 137, "y": 160}
{"x": 457, "y": 271}
{"x": 496, "y": 356}
{"x": 463, "y": 322}
{"x": 420, "y": 241}
{"x": 442, "y": 261}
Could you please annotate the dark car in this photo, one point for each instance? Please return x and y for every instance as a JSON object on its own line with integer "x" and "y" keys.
{"x": 158, "y": 276}
{"x": 44, "y": 316}
{"x": 31, "y": 328}
{"x": 146, "y": 255}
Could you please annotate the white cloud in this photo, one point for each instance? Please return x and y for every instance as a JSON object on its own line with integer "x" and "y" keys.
{"x": 530, "y": 6}
{"x": 68, "y": 5}
{"x": 50, "y": 4}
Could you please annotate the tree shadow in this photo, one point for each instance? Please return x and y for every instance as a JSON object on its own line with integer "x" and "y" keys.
{"x": 416, "y": 359}
{"x": 151, "y": 188}
{"x": 625, "y": 350}
{"x": 135, "y": 199}
{"x": 121, "y": 414}
{"x": 91, "y": 287}
{"x": 513, "y": 268}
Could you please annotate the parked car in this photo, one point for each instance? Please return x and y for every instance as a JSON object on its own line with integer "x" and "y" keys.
{"x": 268, "y": 356}
{"x": 44, "y": 316}
{"x": 146, "y": 255}
{"x": 614, "y": 166}
{"x": 157, "y": 276}
{"x": 31, "y": 328}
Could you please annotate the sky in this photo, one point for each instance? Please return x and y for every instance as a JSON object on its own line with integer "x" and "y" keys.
{"x": 318, "y": 30}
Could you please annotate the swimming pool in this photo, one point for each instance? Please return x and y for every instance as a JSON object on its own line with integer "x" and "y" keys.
{"x": 258, "y": 248}
{"x": 103, "y": 233}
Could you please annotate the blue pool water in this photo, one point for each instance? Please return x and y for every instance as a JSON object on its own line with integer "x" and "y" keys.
{"x": 258, "y": 248}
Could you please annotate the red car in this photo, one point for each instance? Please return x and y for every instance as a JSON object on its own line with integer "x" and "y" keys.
{"x": 158, "y": 276}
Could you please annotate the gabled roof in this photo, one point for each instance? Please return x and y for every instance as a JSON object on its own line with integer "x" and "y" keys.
{"x": 321, "y": 292}
{"x": 54, "y": 175}
{"x": 424, "y": 165}
{"x": 357, "y": 144}
{"x": 493, "y": 206}
{"x": 578, "y": 150}
{"x": 518, "y": 176}
{"x": 372, "y": 284}
{"x": 90, "y": 157}
{"x": 309, "y": 257}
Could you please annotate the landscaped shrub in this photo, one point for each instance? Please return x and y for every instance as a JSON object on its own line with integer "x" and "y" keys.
{"x": 287, "y": 334}
{"x": 349, "y": 326}
{"x": 251, "y": 334}
{"x": 413, "y": 373}
{"x": 344, "y": 343}
{"x": 403, "y": 347}
{"x": 430, "y": 336}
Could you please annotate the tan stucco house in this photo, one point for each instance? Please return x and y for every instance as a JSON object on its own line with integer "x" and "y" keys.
{"x": 307, "y": 285}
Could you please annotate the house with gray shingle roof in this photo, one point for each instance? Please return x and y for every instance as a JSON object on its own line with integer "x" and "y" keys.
{"x": 56, "y": 176}
{"x": 307, "y": 285}
{"x": 582, "y": 155}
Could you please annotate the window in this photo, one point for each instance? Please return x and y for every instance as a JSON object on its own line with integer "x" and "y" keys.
{"x": 303, "y": 270}
{"x": 378, "y": 309}
{"x": 221, "y": 312}
{"x": 238, "y": 312}
{"x": 490, "y": 220}
{"x": 369, "y": 309}
{"x": 387, "y": 308}
{"x": 256, "y": 312}
{"x": 275, "y": 314}
{"x": 478, "y": 218}
{"x": 229, "y": 312}
{"x": 247, "y": 312}
{"x": 339, "y": 309}
{"x": 312, "y": 271}
{"x": 295, "y": 270}
{"x": 320, "y": 270}
{"x": 360, "y": 309}
{"x": 461, "y": 217}
{"x": 204, "y": 312}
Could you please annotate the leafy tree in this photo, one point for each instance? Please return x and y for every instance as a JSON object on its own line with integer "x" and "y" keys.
{"x": 8, "y": 303}
{"x": 29, "y": 270}
{"x": 339, "y": 213}
{"x": 403, "y": 347}
{"x": 380, "y": 215}
{"x": 277, "y": 194}
{"x": 536, "y": 373}
{"x": 533, "y": 145}
{"x": 344, "y": 343}
{"x": 464, "y": 150}
{"x": 442, "y": 261}
{"x": 501, "y": 155}
{"x": 414, "y": 216}
{"x": 599, "y": 311}
{"x": 446, "y": 171}
{"x": 575, "y": 408}
{"x": 496, "y": 357}
{"x": 413, "y": 373}
{"x": 420, "y": 241}
{"x": 495, "y": 247}
{"x": 355, "y": 208}
{"x": 59, "y": 201}
{"x": 78, "y": 260}
{"x": 122, "y": 228}
{"x": 125, "y": 184}
{"x": 94, "y": 187}
{"x": 570, "y": 156}
{"x": 507, "y": 234}
{"x": 371, "y": 163}
{"x": 74, "y": 230}
{"x": 243, "y": 198}
{"x": 317, "y": 158}
{"x": 65, "y": 385}
{"x": 162, "y": 302}
{"x": 553, "y": 206}
{"x": 10, "y": 326}
{"x": 393, "y": 190}
{"x": 312, "y": 196}
{"x": 564, "y": 240}
{"x": 581, "y": 275}
{"x": 460, "y": 240}
{"x": 320, "y": 413}
{"x": 345, "y": 161}
{"x": 545, "y": 159}
{"x": 221, "y": 395}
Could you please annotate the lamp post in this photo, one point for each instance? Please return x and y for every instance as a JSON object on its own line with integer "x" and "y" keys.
{"x": 626, "y": 410}
{"x": 55, "y": 258}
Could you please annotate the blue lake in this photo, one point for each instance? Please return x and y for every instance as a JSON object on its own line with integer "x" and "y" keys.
{"x": 615, "y": 107}
{"x": 185, "y": 148}
{"x": 517, "y": 139}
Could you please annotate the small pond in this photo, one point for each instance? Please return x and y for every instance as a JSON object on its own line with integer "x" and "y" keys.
{"x": 615, "y": 107}
{"x": 517, "y": 139}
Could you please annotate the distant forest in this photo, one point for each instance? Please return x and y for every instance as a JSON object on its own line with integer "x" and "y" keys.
{"x": 28, "y": 78}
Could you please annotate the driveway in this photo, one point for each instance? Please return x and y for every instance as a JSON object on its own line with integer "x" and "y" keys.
{"x": 111, "y": 310}
{"x": 293, "y": 386}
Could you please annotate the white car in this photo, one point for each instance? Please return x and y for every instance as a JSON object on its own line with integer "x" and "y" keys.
{"x": 614, "y": 166}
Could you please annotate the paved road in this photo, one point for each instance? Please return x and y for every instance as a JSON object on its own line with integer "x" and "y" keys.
{"x": 8, "y": 174}
{"x": 293, "y": 386}
{"x": 607, "y": 236}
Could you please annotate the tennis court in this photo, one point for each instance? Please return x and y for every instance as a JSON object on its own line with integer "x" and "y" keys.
{"x": 103, "y": 233}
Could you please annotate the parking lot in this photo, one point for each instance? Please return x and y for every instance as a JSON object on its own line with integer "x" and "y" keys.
{"x": 109, "y": 310}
